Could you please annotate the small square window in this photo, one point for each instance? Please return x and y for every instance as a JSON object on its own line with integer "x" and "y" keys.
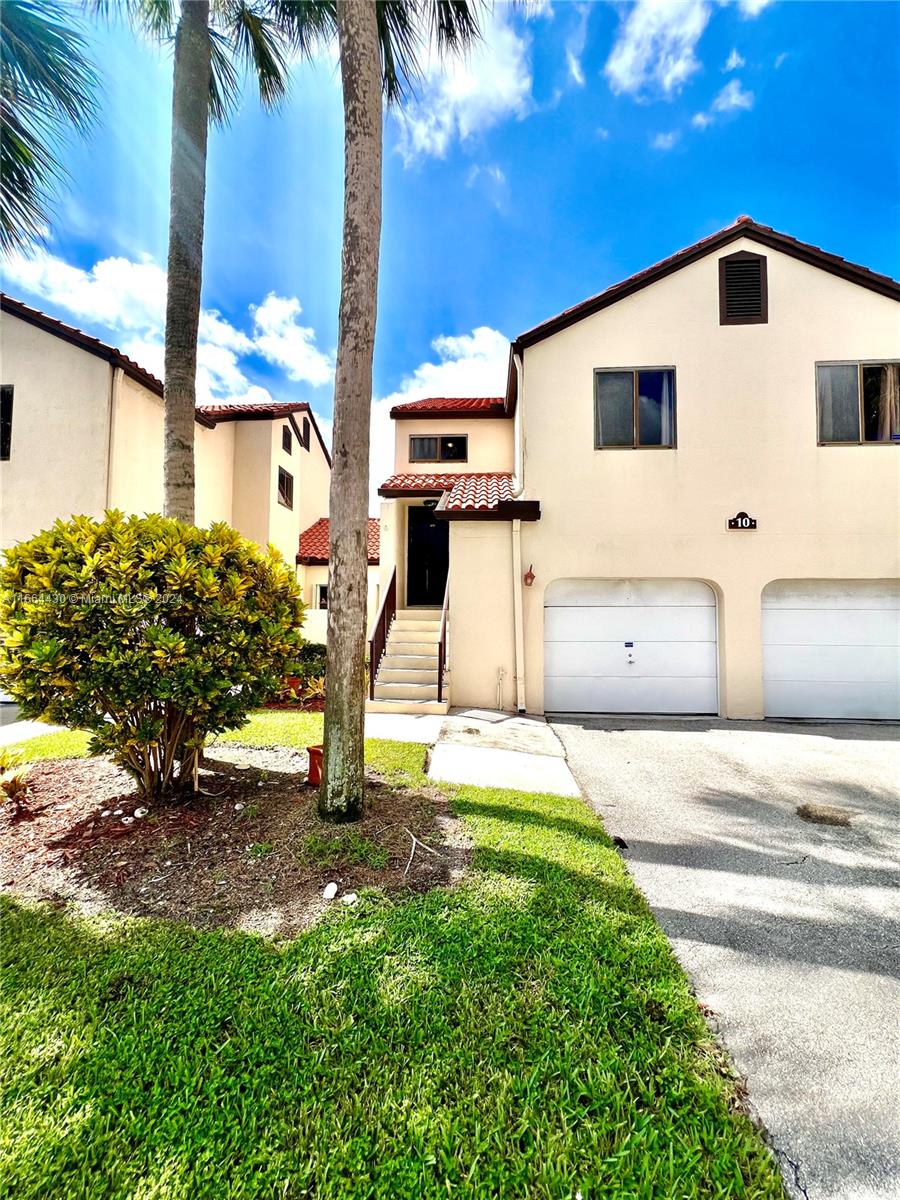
{"x": 287, "y": 444}
{"x": 634, "y": 408}
{"x": 285, "y": 488}
{"x": 322, "y": 595}
{"x": 858, "y": 403}
{"x": 450, "y": 448}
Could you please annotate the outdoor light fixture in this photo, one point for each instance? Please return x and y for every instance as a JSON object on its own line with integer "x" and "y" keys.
{"x": 528, "y": 578}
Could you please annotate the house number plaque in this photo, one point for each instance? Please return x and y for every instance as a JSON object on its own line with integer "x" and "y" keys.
{"x": 742, "y": 521}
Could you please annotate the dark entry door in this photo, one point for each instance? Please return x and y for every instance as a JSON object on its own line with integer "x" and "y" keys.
{"x": 427, "y": 557}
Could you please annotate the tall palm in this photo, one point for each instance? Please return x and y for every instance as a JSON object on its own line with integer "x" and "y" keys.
{"x": 378, "y": 45}
{"x": 213, "y": 40}
{"x": 47, "y": 85}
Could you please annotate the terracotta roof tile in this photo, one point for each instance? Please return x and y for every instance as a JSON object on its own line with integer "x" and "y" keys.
{"x": 469, "y": 492}
{"x": 233, "y": 412}
{"x": 314, "y": 542}
{"x": 493, "y": 406}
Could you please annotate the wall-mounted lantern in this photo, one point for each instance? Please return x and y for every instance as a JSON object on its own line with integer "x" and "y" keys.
{"x": 528, "y": 578}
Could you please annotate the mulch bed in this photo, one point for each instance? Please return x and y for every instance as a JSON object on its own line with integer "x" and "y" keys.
{"x": 237, "y": 855}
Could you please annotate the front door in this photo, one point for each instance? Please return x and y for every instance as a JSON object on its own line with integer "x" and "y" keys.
{"x": 427, "y": 557}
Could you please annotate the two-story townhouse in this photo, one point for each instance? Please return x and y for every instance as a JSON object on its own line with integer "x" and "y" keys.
{"x": 81, "y": 431}
{"x": 688, "y": 501}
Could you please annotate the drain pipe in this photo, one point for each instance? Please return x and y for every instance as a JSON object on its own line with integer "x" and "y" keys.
{"x": 518, "y": 489}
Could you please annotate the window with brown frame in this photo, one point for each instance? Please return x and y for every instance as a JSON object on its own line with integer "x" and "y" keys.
{"x": 287, "y": 444}
{"x": 634, "y": 409}
{"x": 306, "y": 433}
{"x": 439, "y": 449}
{"x": 858, "y": 403}
{"x": 743, "y": 289}
{"x": 285, "y": 488}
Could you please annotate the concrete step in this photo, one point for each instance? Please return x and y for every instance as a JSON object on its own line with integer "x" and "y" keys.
{"x": 410, "y": 708}
{"x": 415, "y": 626}
{"x": 414, "y": 649}
{"x": 421, "y": 633}
{"x": 408, "y": 662}
{"x": 405, "y": 691}
{"x": 418, "y": 614}
{"x": 400, "y": 675}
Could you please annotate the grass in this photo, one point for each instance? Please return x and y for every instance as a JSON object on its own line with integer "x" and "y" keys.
{"x": 345, "y": 847}
{"x": 66, "y": 743}
{"x": 526, "y": 1034}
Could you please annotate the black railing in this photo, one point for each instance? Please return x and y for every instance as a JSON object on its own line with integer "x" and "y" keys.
{"x": 442, "y": 642}
{"x": 378, "y": 640}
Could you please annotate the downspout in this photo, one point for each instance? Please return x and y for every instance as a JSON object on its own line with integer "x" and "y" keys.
{"x": 518, "y": 489}
{"x": 115, "y": 380}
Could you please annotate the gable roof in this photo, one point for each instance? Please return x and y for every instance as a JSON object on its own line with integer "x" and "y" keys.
{"x": 743, "y": 227}
{"x": 84, "y": 341}
{"x": 217, "y": 414}
{"x": 451, "y": 406}
{"x": 313, "y": 549}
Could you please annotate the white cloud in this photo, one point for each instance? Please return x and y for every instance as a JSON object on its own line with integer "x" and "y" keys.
{"x": 575, "y": 44}
{"x": 665, "y": 141}
{"x": 284, "y": 342}
{"x": 655, "y": 46}
{"x": 732, "y": 96}
{"x": 472, "y": 364}
{"x": 734, "y": 61}
{"x": 461, "y": 96}
{"x": 780, "y": 59}
{"x": 128, "y": 298}
{"x": 752, "y": 8}
{"x": 603, "y": 133}
{"x": 701, "y": 120}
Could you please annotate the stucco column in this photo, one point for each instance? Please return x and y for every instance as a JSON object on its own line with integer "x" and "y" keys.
{"x": 740, "y": 650}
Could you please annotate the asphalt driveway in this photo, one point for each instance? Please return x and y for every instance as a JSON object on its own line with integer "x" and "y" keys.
{"x": 790, "y": 931}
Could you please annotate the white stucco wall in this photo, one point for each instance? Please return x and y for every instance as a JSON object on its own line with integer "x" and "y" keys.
{"x": 60, "y": 430}
{"x": 747, "y": 440}
{"x": 490, "y": 444}
{"x": 316, "y": 623}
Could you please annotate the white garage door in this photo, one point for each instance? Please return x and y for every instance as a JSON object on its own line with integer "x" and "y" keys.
{"x": 630, "y": 646}
{"x": 831, "y": 648}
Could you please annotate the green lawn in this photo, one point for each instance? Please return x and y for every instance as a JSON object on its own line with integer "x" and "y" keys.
{"x": 527, "y": 1034}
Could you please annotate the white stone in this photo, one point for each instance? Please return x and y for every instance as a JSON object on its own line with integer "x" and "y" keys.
{"x": 350, "y": 898}
{"x": 330, "y": 891}
{"x": 141, "y": 812}
{"x": 238, "y": 807}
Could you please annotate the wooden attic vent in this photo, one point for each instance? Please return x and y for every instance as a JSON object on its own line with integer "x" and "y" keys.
{"x": 743, "y": 289}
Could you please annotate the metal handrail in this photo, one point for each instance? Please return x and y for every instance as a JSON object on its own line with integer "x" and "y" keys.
{"x": 442, "y": 641}
{"x": 378, "y": 640}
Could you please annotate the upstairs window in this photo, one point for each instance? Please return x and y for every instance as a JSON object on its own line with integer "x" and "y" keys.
{"x": 321, "y": 595}
{"x": 6, "y": 405}
{"x": 286, "y": 442}
{"x": 285, "y": 488}
{"x": 858, "y": 403}
{"x": 439, "y": 449}
{"x": 743, "y": 289}
{"x": 634, "y": 409}
{"x": 306, "y": 433}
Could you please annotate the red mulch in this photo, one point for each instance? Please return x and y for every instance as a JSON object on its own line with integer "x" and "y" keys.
{"x": 236, "y": 855}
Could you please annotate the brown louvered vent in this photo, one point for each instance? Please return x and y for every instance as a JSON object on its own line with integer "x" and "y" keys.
{"x": 743, "y": 291}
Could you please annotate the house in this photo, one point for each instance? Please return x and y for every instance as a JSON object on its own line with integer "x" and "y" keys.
{"x": 687, "y": 501}
{"x": 82, "y": 431}
{"x": 312, "y": 575}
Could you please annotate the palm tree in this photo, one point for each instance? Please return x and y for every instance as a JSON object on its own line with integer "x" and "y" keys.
{"x": 47, "y": 84}
{"x": 212, "y": 41}
{"x": 378, "y": 43}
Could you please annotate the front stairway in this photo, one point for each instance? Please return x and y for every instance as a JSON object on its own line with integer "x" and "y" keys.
{"x": 407, "y": 677}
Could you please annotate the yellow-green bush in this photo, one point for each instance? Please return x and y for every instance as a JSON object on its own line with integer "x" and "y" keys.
{"x": 150, "y": 633}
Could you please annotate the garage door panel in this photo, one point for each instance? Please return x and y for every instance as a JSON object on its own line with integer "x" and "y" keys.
{"x": 824, "y": 627}
{"x": 831, "y": 648}
{"x": 641, "y": 623}
{"x": 856, "y": 664}
{"x": 617, "y": 593}
{"x": 849, "y": 701}
{"x": 684, "y": 659}
{"x": 580, "y": 694}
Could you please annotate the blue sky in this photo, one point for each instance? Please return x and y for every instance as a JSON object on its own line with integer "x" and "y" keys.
{"x": 578, "y": 144}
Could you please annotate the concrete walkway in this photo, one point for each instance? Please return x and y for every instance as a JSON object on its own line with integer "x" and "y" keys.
{"x": 788, "y": 929}
{"x": 500, "y": 750}
{"x": 21, "y": 731}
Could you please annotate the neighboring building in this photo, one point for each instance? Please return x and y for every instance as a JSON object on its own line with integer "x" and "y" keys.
{"x": 82, "y": 431}
{"x": 688, "y": 501}
{"x": 312, "y": 575}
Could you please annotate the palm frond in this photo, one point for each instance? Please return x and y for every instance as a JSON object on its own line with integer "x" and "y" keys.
{"x": 400, "y": 35}
{"x": 47, "y": 86}
{"x": 224, "y": 84}
{"x": 308, "y": 24}
{"x": 260, "y": 43}
{"x": 154, "y": 18}
{"x": 454, "y": 23}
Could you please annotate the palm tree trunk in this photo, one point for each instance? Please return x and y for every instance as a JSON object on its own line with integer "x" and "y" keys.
{"x": 341, "y": 793}
{"x": 187, "y": 183}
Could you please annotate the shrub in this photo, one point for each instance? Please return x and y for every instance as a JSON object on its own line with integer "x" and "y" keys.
{"x": 311, "y": 660}
{"x": 150, "y": 633}
{"x": 13, "y": 781}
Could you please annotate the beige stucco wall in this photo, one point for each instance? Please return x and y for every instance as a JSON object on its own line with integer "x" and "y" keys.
{"x": 214, "y": 466}
{"x": 480, "y": 622}
{"x": 490, "y": 444}
{"x": 313, "y": 475}
{"x": 746, "y": 422}
{"x": 60, "y": 430}
{"x": 316, "y": 622}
